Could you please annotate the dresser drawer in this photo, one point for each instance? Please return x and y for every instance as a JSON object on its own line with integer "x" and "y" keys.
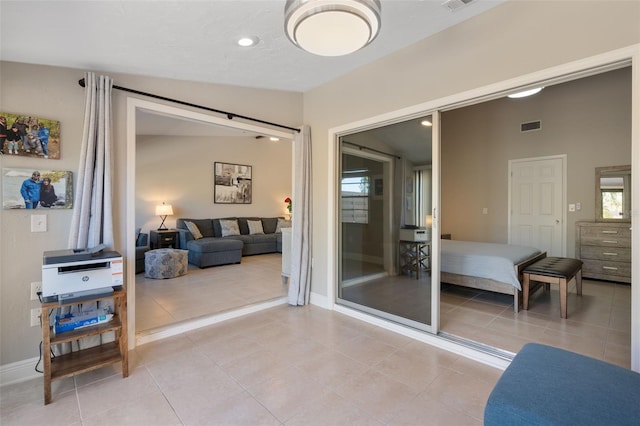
{"x": 606, "y": 241}
{"x": 606, "y": 270}
{"x": 605, "y": 236}
{"x": 614, "y": 254}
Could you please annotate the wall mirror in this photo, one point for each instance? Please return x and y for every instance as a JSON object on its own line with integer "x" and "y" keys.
{"x": 613, "y": 194}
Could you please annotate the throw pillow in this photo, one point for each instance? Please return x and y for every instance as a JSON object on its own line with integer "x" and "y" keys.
{"x": 229, "y": 227}
{"x": 255, "y": 227}
{"x": 282, "y": 224}
{"x": 193, "y": 228}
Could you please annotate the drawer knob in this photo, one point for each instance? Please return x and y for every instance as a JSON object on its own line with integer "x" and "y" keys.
{"x": 609, "y": 232}
{"x": 609, "y": 254}
{"x": 611, "y": 268}
{"x": 610, "y": 241}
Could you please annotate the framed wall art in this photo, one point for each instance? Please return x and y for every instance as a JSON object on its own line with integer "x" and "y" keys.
{"x": 29, "y": 136}
{"x": 232, "y": 183}
{"x": 36, "y": 189}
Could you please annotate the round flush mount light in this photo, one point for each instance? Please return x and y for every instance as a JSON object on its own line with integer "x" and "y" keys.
{"x": 525, "y": 93}
{"x": 248, "y": 41}
{"x": 332, "y": 28}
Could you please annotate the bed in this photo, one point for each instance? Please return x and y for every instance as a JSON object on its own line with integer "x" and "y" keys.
{"x": 486, "y": 266}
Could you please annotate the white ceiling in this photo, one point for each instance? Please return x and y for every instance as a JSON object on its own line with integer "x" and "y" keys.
{"x": 196, "y": 40}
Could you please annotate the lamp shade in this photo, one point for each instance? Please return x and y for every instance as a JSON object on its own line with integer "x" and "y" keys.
{"x": 332, "y": 28}
{"x": 429, "y": 221}
{"x": 164, "y": 210}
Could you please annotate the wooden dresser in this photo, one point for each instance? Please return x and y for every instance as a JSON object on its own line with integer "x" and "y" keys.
{"x": 605, "y": 249}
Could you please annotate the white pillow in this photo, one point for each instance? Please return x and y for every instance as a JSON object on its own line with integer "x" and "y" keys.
{"x": 193, "y": 228}
{"x": 282, "y": 224}
{"x": 229, "y": 227}
{"x": 255, "y": 227}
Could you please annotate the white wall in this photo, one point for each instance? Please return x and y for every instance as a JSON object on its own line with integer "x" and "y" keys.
{"x": 179, "y": 171}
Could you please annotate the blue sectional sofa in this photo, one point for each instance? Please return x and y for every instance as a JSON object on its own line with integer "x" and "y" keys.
{"x": 215, "y": 249}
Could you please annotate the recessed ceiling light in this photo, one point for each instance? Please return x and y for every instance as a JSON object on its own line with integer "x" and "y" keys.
{"x": 426, "y": 123}
{"x": 248, "y": 41}
{"x": 525, "y": 93}
{"x": 274, "y": 139}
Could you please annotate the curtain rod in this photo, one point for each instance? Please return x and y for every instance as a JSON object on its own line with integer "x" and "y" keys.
{"x": 374, "y": 150}
{"x": 230, "y": 115}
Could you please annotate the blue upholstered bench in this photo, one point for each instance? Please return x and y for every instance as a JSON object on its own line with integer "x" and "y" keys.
{"x": 550, "y": 386}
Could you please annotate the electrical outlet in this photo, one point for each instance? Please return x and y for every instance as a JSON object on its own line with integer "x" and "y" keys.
{"x": 36, "y": 287}
{"x": 35, "y": 317}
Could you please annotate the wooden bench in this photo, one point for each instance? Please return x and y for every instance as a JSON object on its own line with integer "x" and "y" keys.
{"x": 553, "y": 270}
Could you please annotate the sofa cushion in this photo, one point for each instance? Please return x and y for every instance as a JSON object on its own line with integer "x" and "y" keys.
{"x": 282, "y": 224}
{"x": 255, "y": 227}
{"x": 204, "y": 225}
{"x": 243, "y": 224}
{"x": 212, "y": 245}
{"x": 269, "y": 224}
{"x": 217, "y": 231}
{"x": 193, "y": 228}
{"x": 229, "y": 227}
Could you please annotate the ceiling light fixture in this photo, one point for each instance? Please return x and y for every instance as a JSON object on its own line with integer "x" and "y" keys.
{"x": 525, "y": 93}
{"x": 332, "y": 28}
{"x": 426, "y": 123}
{"x": 248, "y": 41}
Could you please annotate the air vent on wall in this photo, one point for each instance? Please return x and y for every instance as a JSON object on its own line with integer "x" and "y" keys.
{"x": 531, "y": 126}
{"x": 455, "y": 4}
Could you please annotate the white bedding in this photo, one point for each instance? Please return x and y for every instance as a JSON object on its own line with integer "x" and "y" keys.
{"x": 485, "y": 260}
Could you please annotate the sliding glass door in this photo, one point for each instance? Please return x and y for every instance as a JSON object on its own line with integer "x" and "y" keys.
{"x": 385, "y": 245}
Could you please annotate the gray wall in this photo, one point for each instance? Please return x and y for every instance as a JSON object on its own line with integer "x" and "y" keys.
{"x": 588, "y": 119}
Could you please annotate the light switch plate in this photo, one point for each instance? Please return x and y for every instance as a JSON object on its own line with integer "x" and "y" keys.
{"x": 38, "y": 223}
{"x": 572, "y": 207}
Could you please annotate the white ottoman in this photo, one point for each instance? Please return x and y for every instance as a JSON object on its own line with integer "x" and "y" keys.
{"x": 165, "y": 263}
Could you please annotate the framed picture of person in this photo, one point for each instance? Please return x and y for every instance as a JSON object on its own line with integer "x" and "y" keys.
{"x": 36, "y": 189}
{"x": 232, "y": 183}
{"x": 29, "y": 136}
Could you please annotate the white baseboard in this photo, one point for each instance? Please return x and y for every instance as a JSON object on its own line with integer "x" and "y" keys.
{"x": 319, "y": 300}
{"x": 19, "y": 371}
{"x": 183, "y": 327}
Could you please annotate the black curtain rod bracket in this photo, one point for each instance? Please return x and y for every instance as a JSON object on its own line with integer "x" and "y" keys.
{"x": 230, "y": 115}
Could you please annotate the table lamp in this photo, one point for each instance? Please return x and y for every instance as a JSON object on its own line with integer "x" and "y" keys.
{"x": 163, "y": 211}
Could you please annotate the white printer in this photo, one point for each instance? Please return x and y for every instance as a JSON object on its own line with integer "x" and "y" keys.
{"x": 71, "y": 274}
{"x": 415, "y": 234}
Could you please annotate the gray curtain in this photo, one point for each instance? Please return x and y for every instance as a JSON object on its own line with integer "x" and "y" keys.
{"x": 92, "y": 220}
{"x": 300, "y": 280}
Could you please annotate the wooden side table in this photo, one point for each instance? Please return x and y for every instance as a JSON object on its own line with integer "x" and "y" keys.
{"x": 84, "y": 360}
{"x": 164, "y": 239}
{"x": 415, "y": 256}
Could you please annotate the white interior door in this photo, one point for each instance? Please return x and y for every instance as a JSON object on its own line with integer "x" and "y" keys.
{"x": 537, "y": 199}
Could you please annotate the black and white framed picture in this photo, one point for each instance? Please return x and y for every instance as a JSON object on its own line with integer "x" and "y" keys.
{"x": 37, "y": 189}
{"x": 232, "y": 183}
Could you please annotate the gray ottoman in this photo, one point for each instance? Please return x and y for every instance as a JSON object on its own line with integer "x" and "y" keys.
{"x": 207, "y": 252}
{"x": 165, "y": 263}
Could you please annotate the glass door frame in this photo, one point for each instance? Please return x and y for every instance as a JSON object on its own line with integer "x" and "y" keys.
{"x": 433, "y": 327}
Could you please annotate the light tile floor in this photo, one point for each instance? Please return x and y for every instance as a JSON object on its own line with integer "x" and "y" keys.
{"x": 283, "y": 366}
{"x": 207, "y": 291}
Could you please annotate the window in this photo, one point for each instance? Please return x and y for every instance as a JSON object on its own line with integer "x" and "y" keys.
{"x": 612, "y": 204}
{"x": 355, "y": 199}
